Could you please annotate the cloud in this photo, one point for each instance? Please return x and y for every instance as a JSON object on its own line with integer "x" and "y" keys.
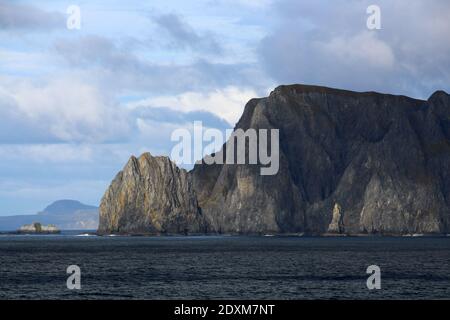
{"x": 119, "y": 70}
{"x": 183, "y": 36}
{"x": 67, "y": 109}
{"x": 241, "y": 5}
{"x": 227, "y": 103}
{"x": 15, "y": 129}
{"x": 254, "y": 3}
{"x": 156, "y": 124}
{"x": 170, "y": 115}
{"x": 371, "y": 51}
{"x": 93, "y": 50}
{"x": 61, "y": 109}
{"x": 24, "y": 17}
{"x": 47, "y": 153}
{"x": 318, "y": 42}
{"x": 22, "y": 62}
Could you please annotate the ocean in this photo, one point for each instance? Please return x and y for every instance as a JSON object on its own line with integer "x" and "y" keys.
{"x": 223, "y": 267}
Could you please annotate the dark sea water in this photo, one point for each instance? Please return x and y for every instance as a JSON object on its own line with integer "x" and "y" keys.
{"x": 34, "y": 267}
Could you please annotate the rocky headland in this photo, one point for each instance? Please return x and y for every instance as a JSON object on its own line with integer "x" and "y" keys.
{"x": 350, "y": 163}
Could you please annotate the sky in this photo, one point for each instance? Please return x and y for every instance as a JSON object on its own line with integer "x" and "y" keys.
{"x": 75, "y": 104}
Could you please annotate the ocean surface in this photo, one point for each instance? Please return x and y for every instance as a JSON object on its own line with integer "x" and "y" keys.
{"x": 223, "y": 267}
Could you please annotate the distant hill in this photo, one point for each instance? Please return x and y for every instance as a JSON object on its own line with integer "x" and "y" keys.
{"x": 66, "y": 207}
{"x": 65, "y": 214}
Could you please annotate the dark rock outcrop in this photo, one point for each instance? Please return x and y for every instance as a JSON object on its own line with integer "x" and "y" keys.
{"x": 384, "y": 159}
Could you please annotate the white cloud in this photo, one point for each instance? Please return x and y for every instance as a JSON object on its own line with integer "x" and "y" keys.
{"x": 68, "y": 108}
{"x": 227, "y": 103}
{"x": 362, "y": 48}
{"x": 324, "y": 43}
{"x": 14, "y": 16}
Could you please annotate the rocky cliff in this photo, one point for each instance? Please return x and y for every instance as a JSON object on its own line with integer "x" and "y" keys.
{"x": 151, "y": 195}
{"x": 349, "y": 163}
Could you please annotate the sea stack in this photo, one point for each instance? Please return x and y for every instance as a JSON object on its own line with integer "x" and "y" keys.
{"x": 151, "y": 195}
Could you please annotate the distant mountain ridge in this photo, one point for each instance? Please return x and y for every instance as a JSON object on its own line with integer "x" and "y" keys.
{"x": 65, "y": 214}
{"x": 66, "y": 207}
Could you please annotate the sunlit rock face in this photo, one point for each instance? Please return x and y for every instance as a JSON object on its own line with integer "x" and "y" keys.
{"x": 384, "y": 159}
{"x": 150, "y": 195}
{"x": 336, "y": 225}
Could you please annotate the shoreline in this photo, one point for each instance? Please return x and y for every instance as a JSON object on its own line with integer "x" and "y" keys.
{"x": 278, "y": 235}
{"x": 89, "y": 233}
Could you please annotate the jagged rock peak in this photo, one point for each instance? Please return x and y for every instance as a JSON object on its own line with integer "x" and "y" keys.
{"x": 439, "y": 93}
{"x": 150, "y": 195}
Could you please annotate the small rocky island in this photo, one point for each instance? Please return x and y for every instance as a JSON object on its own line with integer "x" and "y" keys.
{"x": 38, "y": 228}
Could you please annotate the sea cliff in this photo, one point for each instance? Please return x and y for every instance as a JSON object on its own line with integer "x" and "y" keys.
{"x": 349, "y": 163}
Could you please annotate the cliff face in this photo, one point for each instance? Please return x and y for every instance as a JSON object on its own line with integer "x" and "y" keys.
{"x": 382, "y": 160}
{"x": 150, "y": 195}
